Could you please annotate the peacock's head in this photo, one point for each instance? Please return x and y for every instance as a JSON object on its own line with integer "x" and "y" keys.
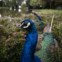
{"x": 26, "y": 24}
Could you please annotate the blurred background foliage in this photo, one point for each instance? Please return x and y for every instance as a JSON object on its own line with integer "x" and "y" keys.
{"x": 11, "y": 41}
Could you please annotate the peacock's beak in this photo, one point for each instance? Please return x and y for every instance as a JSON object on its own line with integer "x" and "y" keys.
{"x": 18, "y": 25}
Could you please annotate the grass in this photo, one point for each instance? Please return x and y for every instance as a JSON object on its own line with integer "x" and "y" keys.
{"x": 49, "y": 11}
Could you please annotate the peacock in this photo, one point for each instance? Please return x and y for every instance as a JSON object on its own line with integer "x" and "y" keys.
{"x": 30, "y": 42}
{"x": 48, "y": 45}
{"x": 40, "y": 21}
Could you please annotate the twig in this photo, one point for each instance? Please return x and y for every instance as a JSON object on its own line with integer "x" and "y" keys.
{"x": 52, "y": 23}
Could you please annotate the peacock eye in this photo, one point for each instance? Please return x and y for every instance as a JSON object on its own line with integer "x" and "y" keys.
{"x": 26, "y": 25}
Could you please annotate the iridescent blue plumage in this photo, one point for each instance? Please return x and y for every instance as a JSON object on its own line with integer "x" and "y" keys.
{"x": 30, "y": 44}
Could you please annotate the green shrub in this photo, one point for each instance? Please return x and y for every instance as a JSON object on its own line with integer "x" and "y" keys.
{"x": 11, "y": 42}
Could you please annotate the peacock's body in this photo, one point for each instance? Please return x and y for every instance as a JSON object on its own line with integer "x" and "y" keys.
{"x": 45, "y": 52}
{"x": 30, "y": 43}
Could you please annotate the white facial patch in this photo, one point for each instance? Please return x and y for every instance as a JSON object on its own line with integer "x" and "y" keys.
{"x": 27, "y": 25}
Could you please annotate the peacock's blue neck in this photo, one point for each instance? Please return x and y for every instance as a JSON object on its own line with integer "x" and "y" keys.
{"x": 30, "y": 45}
{"x": 32, "y": 29}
